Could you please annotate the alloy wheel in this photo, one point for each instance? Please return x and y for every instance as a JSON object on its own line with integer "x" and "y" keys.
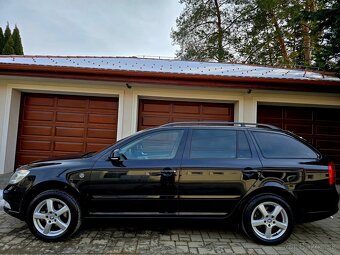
{"x": 269, "y": 220}
{"x": 51, "y": 217}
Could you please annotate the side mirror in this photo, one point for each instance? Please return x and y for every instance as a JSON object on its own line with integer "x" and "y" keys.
{"x": 116, "y": 156}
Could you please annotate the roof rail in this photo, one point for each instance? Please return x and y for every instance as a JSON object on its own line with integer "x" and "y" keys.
{"x": 219, "y": 123}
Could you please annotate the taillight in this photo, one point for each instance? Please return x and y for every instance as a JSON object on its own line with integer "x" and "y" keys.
{"x": 331, "y": 173}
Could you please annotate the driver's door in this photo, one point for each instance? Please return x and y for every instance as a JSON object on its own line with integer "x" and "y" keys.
{"x": 144, "y": 180}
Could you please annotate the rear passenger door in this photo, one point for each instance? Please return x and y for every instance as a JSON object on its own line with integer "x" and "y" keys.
{"x": 219, "y": 166}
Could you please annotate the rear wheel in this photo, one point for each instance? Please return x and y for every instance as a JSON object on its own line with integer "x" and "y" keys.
{"x": 268, "y": 219}
{"x": 53, "y": 215}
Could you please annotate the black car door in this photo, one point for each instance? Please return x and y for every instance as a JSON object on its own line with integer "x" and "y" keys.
{"x": 218, "y": 168}
{"x": 144, "y": 180}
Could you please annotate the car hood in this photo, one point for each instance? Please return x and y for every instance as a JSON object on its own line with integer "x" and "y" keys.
{"x": 55, "y": 160}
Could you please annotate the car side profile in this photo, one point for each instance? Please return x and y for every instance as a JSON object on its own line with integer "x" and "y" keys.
{"x": 265, "y": 178}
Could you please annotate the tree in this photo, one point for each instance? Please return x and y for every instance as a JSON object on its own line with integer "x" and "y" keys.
{"x": 10, "y": 43}
{"x": 275, "y": 32}
{"x": 18, "y": 49}
{"x": 327, "y": 29}
{"x": 9, "y": 47}
{"x": 202, "y": 31}
{"x": 2, "y": 40}
{"x": 7, "y": 34}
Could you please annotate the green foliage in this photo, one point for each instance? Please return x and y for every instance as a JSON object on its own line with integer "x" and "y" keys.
{"x": 2, "y": 40}
{"x": 270, "y": 32}
{"x": 8, "y": 33}
{"x": 9, "y": 47}
{"x": 18, "y": 49}
{"x": 10, "y": 43}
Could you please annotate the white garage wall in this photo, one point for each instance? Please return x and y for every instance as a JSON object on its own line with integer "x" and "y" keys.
{"x": 245, "y": 103}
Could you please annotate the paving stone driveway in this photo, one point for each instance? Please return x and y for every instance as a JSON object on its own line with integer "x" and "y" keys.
{"x": 169, "y": 237}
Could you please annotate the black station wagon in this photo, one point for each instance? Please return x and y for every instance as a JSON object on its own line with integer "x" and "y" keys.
{"x": 265, "y": 178}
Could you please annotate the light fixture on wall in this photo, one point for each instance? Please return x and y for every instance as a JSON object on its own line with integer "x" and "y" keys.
{"x": 128, "y": 86}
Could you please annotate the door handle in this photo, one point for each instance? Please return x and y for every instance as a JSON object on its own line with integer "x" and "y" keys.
{"x": 167, "y": 172}
{"x": 249, "y": 170}
{"x": 250, "y": 173}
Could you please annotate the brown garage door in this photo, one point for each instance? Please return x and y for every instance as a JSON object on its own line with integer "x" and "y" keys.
{"x": 53, "y": 125}
{"x": 156, "y": 112}
{"x": 320, "y": 126}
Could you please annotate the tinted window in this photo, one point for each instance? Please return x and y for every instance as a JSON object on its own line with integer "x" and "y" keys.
{"x": 160, "y": 145}
{"x": 274, "y": 145}
{"x": 210, "y": 143}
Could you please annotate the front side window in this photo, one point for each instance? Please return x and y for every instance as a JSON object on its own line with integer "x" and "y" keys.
{"x": 273, "y": 145}
{"x": 158, "y": 145}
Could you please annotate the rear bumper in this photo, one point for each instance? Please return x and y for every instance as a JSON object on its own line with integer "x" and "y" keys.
{"x": 317, "y": 204}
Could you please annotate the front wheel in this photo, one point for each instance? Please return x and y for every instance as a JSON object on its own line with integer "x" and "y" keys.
{"x": 53, "y": 215}
{"x": 268, "y": 219}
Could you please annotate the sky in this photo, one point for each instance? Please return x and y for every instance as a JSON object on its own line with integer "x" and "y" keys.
{"x": 93, "y": 27}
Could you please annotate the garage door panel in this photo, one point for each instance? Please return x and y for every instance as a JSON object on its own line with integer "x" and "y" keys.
{"x": 327, "y": 130}
{"x": 36, "y": 145}
{"x": 70, "y": 117}
{"x": 71, "y": 102}
{"x": 69, "y": 132}
{"x": 302, "y": 129}
{"x": 327, "y": 115}
{"x": 103, "y": 105}
{"x": 53, "y": 125}
{"x": 24, "y": 158}
{"x": 298, "y": 114}
{"x": 38, "y": 115}
{"x": 152, "y": 120}
{"x": 217, "y": 110}
{"x": 96, "y": 146}
{"x": 184, "y": 119}
{"x": 68, "y": 146}
{"x": 101, "y": 133}
{"x": 37, "y": 130}
{"x": 156, "y": 112}
{"x": 265, "y": 112}
{"x": 150, "y": 106}
{"x": 39, "y": 101}
{"x": 185, "y": 108}
{"x": 102, "y": 118}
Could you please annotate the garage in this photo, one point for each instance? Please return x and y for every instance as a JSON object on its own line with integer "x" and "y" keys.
{"x": 320, "y": 126}
{"x": 54, "y": 125}
{"x": 157, "y": 112}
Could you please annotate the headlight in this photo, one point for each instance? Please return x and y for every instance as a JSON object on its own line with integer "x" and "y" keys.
{"x": 18, "y": 176}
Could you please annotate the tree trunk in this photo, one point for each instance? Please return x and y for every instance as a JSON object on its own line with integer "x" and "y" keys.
{"x": 220, "y": 50}
{"x": 307, "y": 42}
{"x": 280, "y": 39}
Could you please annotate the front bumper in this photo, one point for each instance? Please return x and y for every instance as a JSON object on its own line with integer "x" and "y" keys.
{"x": 14, "y": 195}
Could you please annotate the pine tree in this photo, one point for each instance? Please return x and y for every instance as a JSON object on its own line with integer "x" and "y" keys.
{"x": 7, "y": 34}
{"x": 9, "y": 47}
{"x": 18, "y": 49}
{"x": 2, "y": 40}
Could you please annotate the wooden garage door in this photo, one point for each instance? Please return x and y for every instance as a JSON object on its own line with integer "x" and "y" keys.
{"x": 156, "y": 112}
{"x": 53, "y": 125}
{"x": 320, "y": 126}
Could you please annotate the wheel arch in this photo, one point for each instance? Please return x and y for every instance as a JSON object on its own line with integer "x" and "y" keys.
{"x": 272, "y": 189}
{"x": 48, "y": 185}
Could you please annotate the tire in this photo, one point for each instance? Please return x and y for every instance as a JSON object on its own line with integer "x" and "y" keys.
{"x": 268, "y": 219}
{"x": 53, "y": 215}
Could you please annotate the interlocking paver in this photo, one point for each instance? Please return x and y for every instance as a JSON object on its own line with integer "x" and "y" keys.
{"x": 322, "y": 237}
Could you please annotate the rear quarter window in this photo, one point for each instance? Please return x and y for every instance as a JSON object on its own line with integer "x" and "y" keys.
{"x": 274, "y": 145}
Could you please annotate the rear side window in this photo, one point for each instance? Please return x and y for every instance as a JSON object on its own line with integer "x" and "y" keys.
{"x": 218, "y": 144}
{"x": 273, "y": 145}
